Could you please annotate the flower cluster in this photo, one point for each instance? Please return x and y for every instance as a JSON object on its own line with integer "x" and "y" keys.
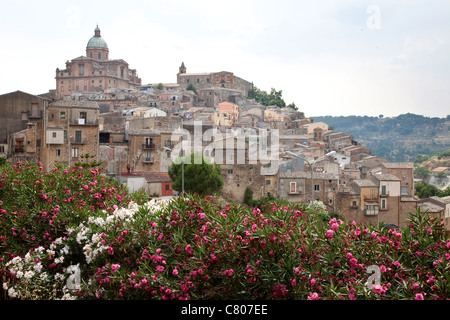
{"x": 201, "y": 247}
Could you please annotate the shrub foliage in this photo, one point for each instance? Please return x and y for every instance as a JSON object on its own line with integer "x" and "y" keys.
{"x": 72, "y": 233}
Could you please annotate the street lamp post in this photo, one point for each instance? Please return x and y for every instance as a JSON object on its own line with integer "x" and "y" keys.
{"x": 182, "y": 171}
{"x": 329, "y": 154}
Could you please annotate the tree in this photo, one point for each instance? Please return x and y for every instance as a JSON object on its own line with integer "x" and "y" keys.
{"x": 200, "y": 176}
{"x": 425, "y": 190}
{"x": 274, "y": 98}
{"x": 160, "y": 86}
{"x": 191, "y": 88}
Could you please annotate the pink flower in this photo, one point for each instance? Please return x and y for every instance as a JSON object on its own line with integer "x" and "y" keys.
{"x": 349, "y": 255}
{"x": 229, "y": 272}
{"x": 383, "y": 268}
{"x": 313, "y": 296}
{"x": 419, "y": 296}
{"x": 313, "y": 281}
{"x": 335, "y": 226}
{"x": 175, "y": 272}
{"x": 329, "y": 234}
{"x": 254, "y": 227}
{"x": 160, "y": 268}
{"x": 378, "y": 289}
{"x": 115, "y": 267}
{"x": 110, "y": 251}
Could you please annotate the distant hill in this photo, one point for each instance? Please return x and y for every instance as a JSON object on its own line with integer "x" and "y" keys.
{"x": 397, "y": 139}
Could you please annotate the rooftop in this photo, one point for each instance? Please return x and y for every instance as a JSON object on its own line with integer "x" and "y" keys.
{"x": 75, "y": 104}
{"x": 398, "y": 165}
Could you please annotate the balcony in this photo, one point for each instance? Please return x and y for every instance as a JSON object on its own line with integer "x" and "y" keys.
{"x": 84, "y": 122}
{"x": 148, "y": 146}
{"x": 384, "y": 194}
{"x": 148, "y": 160}
{"x": 19, "y": 149}
{"x": 34, "y": 114}
{"x": 82, "y": 140}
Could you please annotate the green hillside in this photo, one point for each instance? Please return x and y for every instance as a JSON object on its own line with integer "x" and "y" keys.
{"x": 397, "y": 139}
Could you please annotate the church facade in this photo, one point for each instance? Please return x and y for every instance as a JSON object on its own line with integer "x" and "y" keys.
{"x": 95, "y": 72}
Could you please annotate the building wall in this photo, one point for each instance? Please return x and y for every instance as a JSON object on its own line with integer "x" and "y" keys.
{"x": 144, "y": 159}
{"x": 17, "y": 109}
{"x": 77, "y": 139}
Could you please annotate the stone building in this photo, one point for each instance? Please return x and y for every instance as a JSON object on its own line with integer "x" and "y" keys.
{"x": 95, "y": 72}
{"x": 296, "y": 187}
{"x": 376, "y": 199}
{"x": 405, "y": 172}
{"x": 71, "y": 131}
{"x": 227, "y": 115}
{"x": 223, "y": 79}
{"x": 144, "y": 146}
{"x": 438, "y": 208}
{"x": 20, "y": 111}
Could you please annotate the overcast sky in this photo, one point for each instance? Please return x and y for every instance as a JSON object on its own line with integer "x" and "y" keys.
{"x": 341, "y": 57}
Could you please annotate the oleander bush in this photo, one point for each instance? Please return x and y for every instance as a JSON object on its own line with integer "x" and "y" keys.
{"x": 74, "y": 234}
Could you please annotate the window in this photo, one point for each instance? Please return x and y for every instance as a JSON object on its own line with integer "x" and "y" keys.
{"x": 383, "y": 190}
{"x": 268, "y": 182}
{"x": 74, "y": 152}
{"x": 58, "y": 152}
{"x": 78, "y": 136}
{"x": 90, "y": 55}
{"x": 65, "y": 134}
{"x": 354, "y": 203}
{"x": 81, "y": 69}
{"x": 316, "y": 187}
{"x": 2, "y": 149}
{"x": 371, "y": 209}
{"x": 167, "y": 187}
{"x": 24, "y": 116}
{"x": 99, "y": 56}
{"x": 383, "y": 204}
{"x": 404, "y": 191}
{"x": 293, "y": 187}
{"x": 54, "y": 134}
{"x": 230, "y": 171}
{"x": 62, "y": 115}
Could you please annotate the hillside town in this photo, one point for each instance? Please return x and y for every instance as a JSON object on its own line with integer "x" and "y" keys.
{"x": 101, "y": 108}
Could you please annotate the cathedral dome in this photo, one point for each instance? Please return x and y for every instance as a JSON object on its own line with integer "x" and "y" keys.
{"x": 97, "y": 41}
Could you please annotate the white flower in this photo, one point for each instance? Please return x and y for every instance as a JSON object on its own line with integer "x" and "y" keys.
{"x": 59, "y": 260}
{"x": 40, "y": 250}
{"x": 59, "y": 276}
{"x": 12, "y": 293}
{"x": 28, "y": 257}
{"x": 43, "y": 276}
{"x": 51, "y": 252}
{"x": 28, "y": 274}
{"x": 19, "y": 274}
{"x": 96, "y": 238}
{"x": 65, "y": 250}
{"x": 38, "y": 267}
{"x": 5, "y": 286}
